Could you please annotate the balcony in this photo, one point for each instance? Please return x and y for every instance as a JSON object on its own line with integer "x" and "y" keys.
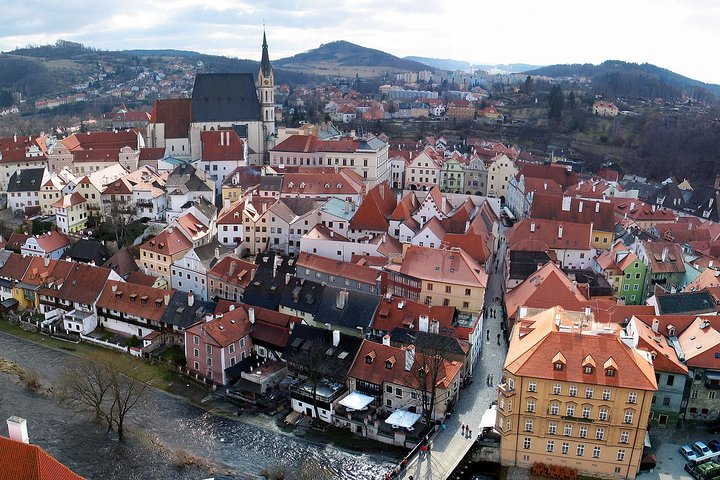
{"x": 505, "y": 389}
{"x": 577, "y": 419}
{"x": 144, "y": 204}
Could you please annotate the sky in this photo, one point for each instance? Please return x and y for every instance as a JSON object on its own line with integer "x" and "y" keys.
{"x": 680, "y": 35}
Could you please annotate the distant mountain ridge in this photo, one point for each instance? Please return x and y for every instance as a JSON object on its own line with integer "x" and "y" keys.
{"x": 619, "y": 78}
{"x": 346, "y": 54}
{"x": 452, "y": 65}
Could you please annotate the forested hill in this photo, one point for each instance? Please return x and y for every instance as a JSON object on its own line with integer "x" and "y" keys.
{"x": 615, "y": 78}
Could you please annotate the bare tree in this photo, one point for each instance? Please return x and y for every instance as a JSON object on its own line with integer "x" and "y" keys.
{"x": 314, "y": 363}
{"x": 102, "y": 387}
{"x": 428, "y": 371}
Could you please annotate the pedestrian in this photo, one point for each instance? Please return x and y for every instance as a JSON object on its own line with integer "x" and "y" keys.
{"x": 488, "y": 334}
{"x": 470, "y": 436}
{"x": 487, "y": 380}
{"x": 498, "y": 339}
{"x": 492, "y": 379}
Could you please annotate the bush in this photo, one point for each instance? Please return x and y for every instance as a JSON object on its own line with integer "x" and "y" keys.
{"x": 134, "y": 341}
{"x": 31, "y": 379}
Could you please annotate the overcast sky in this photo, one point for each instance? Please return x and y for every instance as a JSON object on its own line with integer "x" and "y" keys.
{"x": 680, "y": 35}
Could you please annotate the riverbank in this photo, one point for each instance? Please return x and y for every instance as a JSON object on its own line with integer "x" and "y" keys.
{"x": 184, "y": 424}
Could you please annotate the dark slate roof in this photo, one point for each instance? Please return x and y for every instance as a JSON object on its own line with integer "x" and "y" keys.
{"x": 225, "y": 97}
{"x": 644, "y": 190}
{"x": 266, "y": 289}
{"x": 206, "y": 253}
{"x": 358, "y": 312}
{"x": 185, "y": 178}
{"x": 122, "y": 263}
{"x": 597, "y": 283}
{"x": 523, "y": 264}
{"x": 271, "y": 183}
{"x": 180, "y": 314}
{"x": 686, "y": 303}
{"x": 26, "y": 180}
{"x": 203, "y": 204}
{"x": 303, "y": 295}
{"x": 265, "y": 60}
{"x": 301, "y": 206}
{"x": 88, "y": 250}
{"x": 302, "y": 336}
{"x": 426, "y": 342}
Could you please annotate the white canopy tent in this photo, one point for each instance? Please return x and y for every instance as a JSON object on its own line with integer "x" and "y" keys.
{"x": 356, "y": 401}
{"x": 489, "y": 417}
{"x": 403, "y": 418}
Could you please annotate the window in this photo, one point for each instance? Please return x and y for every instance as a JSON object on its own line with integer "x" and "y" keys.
{"x": 209, "y": 361}
{"x": 693, "y": 394}
{"x": 208, "y": 349}
{"x": 467, "y": 292}
{"x": 570, "y": 411}
{"x": 671, "y": 379}
{"x": 588, "y": 369}
{"x": 582, "y": 432}
{"x": 557, "y": 389}
{"x": 565, "y": 448}
{"x": 628, "y": 417}
{"x": 666, "y": 400}
{"x": 532, "y": 387}
{"x": 429, "y": 287}
{"x": 448, "y": 289}
{"x": 567, "y": 430}
{"x": 600, "y": 434}
{"x": 196, "y": 352}
{"x": 388, "y": 402}
{"x": 621, "y": 455}
{"x": 711, "y": 395}
{"x": 196, "y": 340}
{"x": 528, "y": 425}
{"x": 606, "y": 394}
{"x": 554, "y": 408}
{"x": 610, "y": 372}
{"x": 586, "y": 411}
{"x": 231, "y": 348}
{"x": 589, "y": 392}
{"x": 603, "y": 415}
{"x": 558, "y": 366}
{"x": 389, "y": 389}
{"x": 624, "y": 436}
{"x": 398, "y": 392}
{"x": 550, "y": 446}
{"x": 596, "y": 452}
{"x": 552, "y": 428}
{"x": 573, "y": 391}
{"x": 527, "y": 443}
{"x": 632, "y": 397}
{"x": 531, "y": 405}
{"x": 580, "y": 451}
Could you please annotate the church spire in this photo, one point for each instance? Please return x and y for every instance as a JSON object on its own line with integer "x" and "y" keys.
{"x": 265, "y": 67}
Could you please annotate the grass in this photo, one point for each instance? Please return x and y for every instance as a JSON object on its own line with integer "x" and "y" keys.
{"x": 161, "y": 377}
{"x": 174, "y": 354}
{"x": 346, "y": 440}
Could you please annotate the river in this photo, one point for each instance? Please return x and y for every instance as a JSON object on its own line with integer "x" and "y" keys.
{"x": 162, "y": 424}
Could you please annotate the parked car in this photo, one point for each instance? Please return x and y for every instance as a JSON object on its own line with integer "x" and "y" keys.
{"x": 688, "y": 452}
{"x": 714, "y": 427}
{"x": 701, "y": 449}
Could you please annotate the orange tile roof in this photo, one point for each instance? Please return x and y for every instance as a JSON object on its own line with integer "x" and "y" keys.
{"x": 699, "y": 342}
{"x": 391, "y": 315}
{"x": 52, "y": 241}
{"x": 672, "y": 263}
{"x": 549, "y": 207}
{"x": 231, "y": 269}
{"x": 226, "y": 329}
{"x": 338, "y": 268}
{"x": 641, "y": 211}
{"x": 24, "y": 461}
{"x": 666, "y": 359}
{"x": 374, "y": 210}
{"x": 133, "y": 299}
{"x": 538, "y": 342}
{"x": 221, "y": 145}
{"x": 68, "y": 201}
{"x": 168, "y": 242}
{"x": 453, "y": 266}
{"x": 575, "y": 236}
{"x": 344, "y": 182}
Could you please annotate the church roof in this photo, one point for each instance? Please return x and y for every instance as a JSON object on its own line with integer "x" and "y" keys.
{"x": 225, "y": 97}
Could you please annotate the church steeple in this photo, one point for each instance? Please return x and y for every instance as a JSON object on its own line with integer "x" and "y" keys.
{"x": 265, "y": 67}
{"x": 266, "y": 93}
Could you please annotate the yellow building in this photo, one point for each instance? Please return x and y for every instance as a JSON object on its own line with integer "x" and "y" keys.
{"x": 448, "y": 277}
{"x": 157, "y": 254}
{"x": 574, "y": 394}
{"x": 501, "y": 169}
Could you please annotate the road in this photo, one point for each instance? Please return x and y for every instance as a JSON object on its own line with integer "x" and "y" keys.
{"x": 450, "y": 445}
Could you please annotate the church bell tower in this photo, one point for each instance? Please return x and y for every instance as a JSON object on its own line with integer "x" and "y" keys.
{"x": 266, "y": 92}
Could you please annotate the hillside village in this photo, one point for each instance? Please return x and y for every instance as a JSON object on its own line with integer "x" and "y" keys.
{"x": 365, "y": 275}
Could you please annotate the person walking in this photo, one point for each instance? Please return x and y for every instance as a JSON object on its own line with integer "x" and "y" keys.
{"x": 498, "y": 339}
{"x": 492, "y": 379}
{"x": 487, "y": 380}
{"x": 488, "y": 334}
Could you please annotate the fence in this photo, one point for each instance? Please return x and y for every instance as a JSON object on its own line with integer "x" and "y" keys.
{"x": 104, "y": 343}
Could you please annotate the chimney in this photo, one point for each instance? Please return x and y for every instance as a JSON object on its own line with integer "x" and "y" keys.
{"x": 217, "y": 252}
{"x": 386, "y": 339}
{"x": 233, "y": 267}
{"x": 251, "y": 315}
{"x": 382, "y": 191}
{"x": 287, "y": 278}
{"x": 560, "y": 229}
{"x": 597, "y": 207}
{"x": 208, "y": 318}
{"x": 444, "y": 204}
{"x": 409, "y": 357}
{"x": 655, "y": 325}
{"x": 341, "y": 299}
{"x": 545, "y": 186}
{"x": 191, "y": 298}
{"x": 222, "y": 138}
{"x": 17, "y": 429}
{"x": 423, "y": 323}
{"x": 580, "y": 206}
{"x": 46, "y": 261}
{"x": 347, "y": 206}
{"x": 264, "y": 207}
{"x": 167, "y": 299}
{"x": 532, "y": 227}
{"x": 336, "y": 338}
{"x": 232, "y": 307}
{"x": 665, "y": 252}
{"x": 114, "y": 288}
{"x": 566, "y": 202}
{"x": 632, "y": 205}
{"x": 588, "y": 312}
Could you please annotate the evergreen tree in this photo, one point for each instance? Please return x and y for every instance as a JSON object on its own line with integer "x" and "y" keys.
{"x": 528, "y": 85}
{"x": 555, "y": 104}
{"x": 571, "y": 100}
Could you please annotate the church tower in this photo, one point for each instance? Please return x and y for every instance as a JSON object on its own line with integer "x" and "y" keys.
{"x": 266, "y": 92}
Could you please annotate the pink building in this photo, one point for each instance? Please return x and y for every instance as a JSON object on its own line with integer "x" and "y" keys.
{"x": 217, "y": 343}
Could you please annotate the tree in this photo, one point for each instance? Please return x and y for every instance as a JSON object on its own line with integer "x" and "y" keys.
{"x": 528, "y": 85}
{"x": 314, "y": 363}
{"x": 102, "y": 387}
{"x": 571, "y": 100}
{"x": 428, "y": 369}
{"x": 555, "y": 104}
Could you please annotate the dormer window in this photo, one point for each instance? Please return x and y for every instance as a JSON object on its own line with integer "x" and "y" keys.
{"x": 588, "y": 369}
{"x": 143, "y": 299}
{"x": 558, "y": 366}
{"x": 559, "y": 362}
{"x": 610, "y": 372}
{"x": 388, "y": 364}
{"x": 133, "y": 297}
{"x": 370, "y": 357}
{"x": 610, "y": 367}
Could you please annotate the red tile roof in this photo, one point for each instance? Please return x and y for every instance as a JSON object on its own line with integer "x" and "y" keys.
{"x": 338, "y": 268}
{"x": 399, "y": 312}
{"x": 221, "y": 145}
{"x": 228, "y": 328}
{"x": 664, "y": 257}
{"x": 575, "y": 236}
{"x": 133, "y": 299}
{"x": 151, "y": 153}
{"x": 67, "y": 201}
{"x": 344, "y": 182}
{"x": 20, "y": 460}
{"x": 92, "y": 141}
{"x": 83, "y": 283}
{"x": 231, "y": 269}
{"x": 175, "y": 114}
{"x": 549, "y": 207}
{"x": 561, "y": 174}
{"x": 641, "y": 211}
{"x": 666, "y": 359}
{"x": 376, "y": 372}
{"x": 454, "y": 266}
{"x": 376, "y": 207}
{"x": 52, "y": 241}
{"x": 15, "y": 267}
{"x": 311, "y": 144}
{"x": 140, "y": 278}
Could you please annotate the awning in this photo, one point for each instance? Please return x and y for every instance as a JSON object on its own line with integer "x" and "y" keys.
{"x": 356, "y": 401}
{"x": 712, "y": 375}
{"x": 489, "y": 417}
{"x": 403, "y": 418}
{"x": 647, "y": 440}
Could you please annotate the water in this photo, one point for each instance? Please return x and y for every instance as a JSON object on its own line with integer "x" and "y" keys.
{"x": 162, "y": 424}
